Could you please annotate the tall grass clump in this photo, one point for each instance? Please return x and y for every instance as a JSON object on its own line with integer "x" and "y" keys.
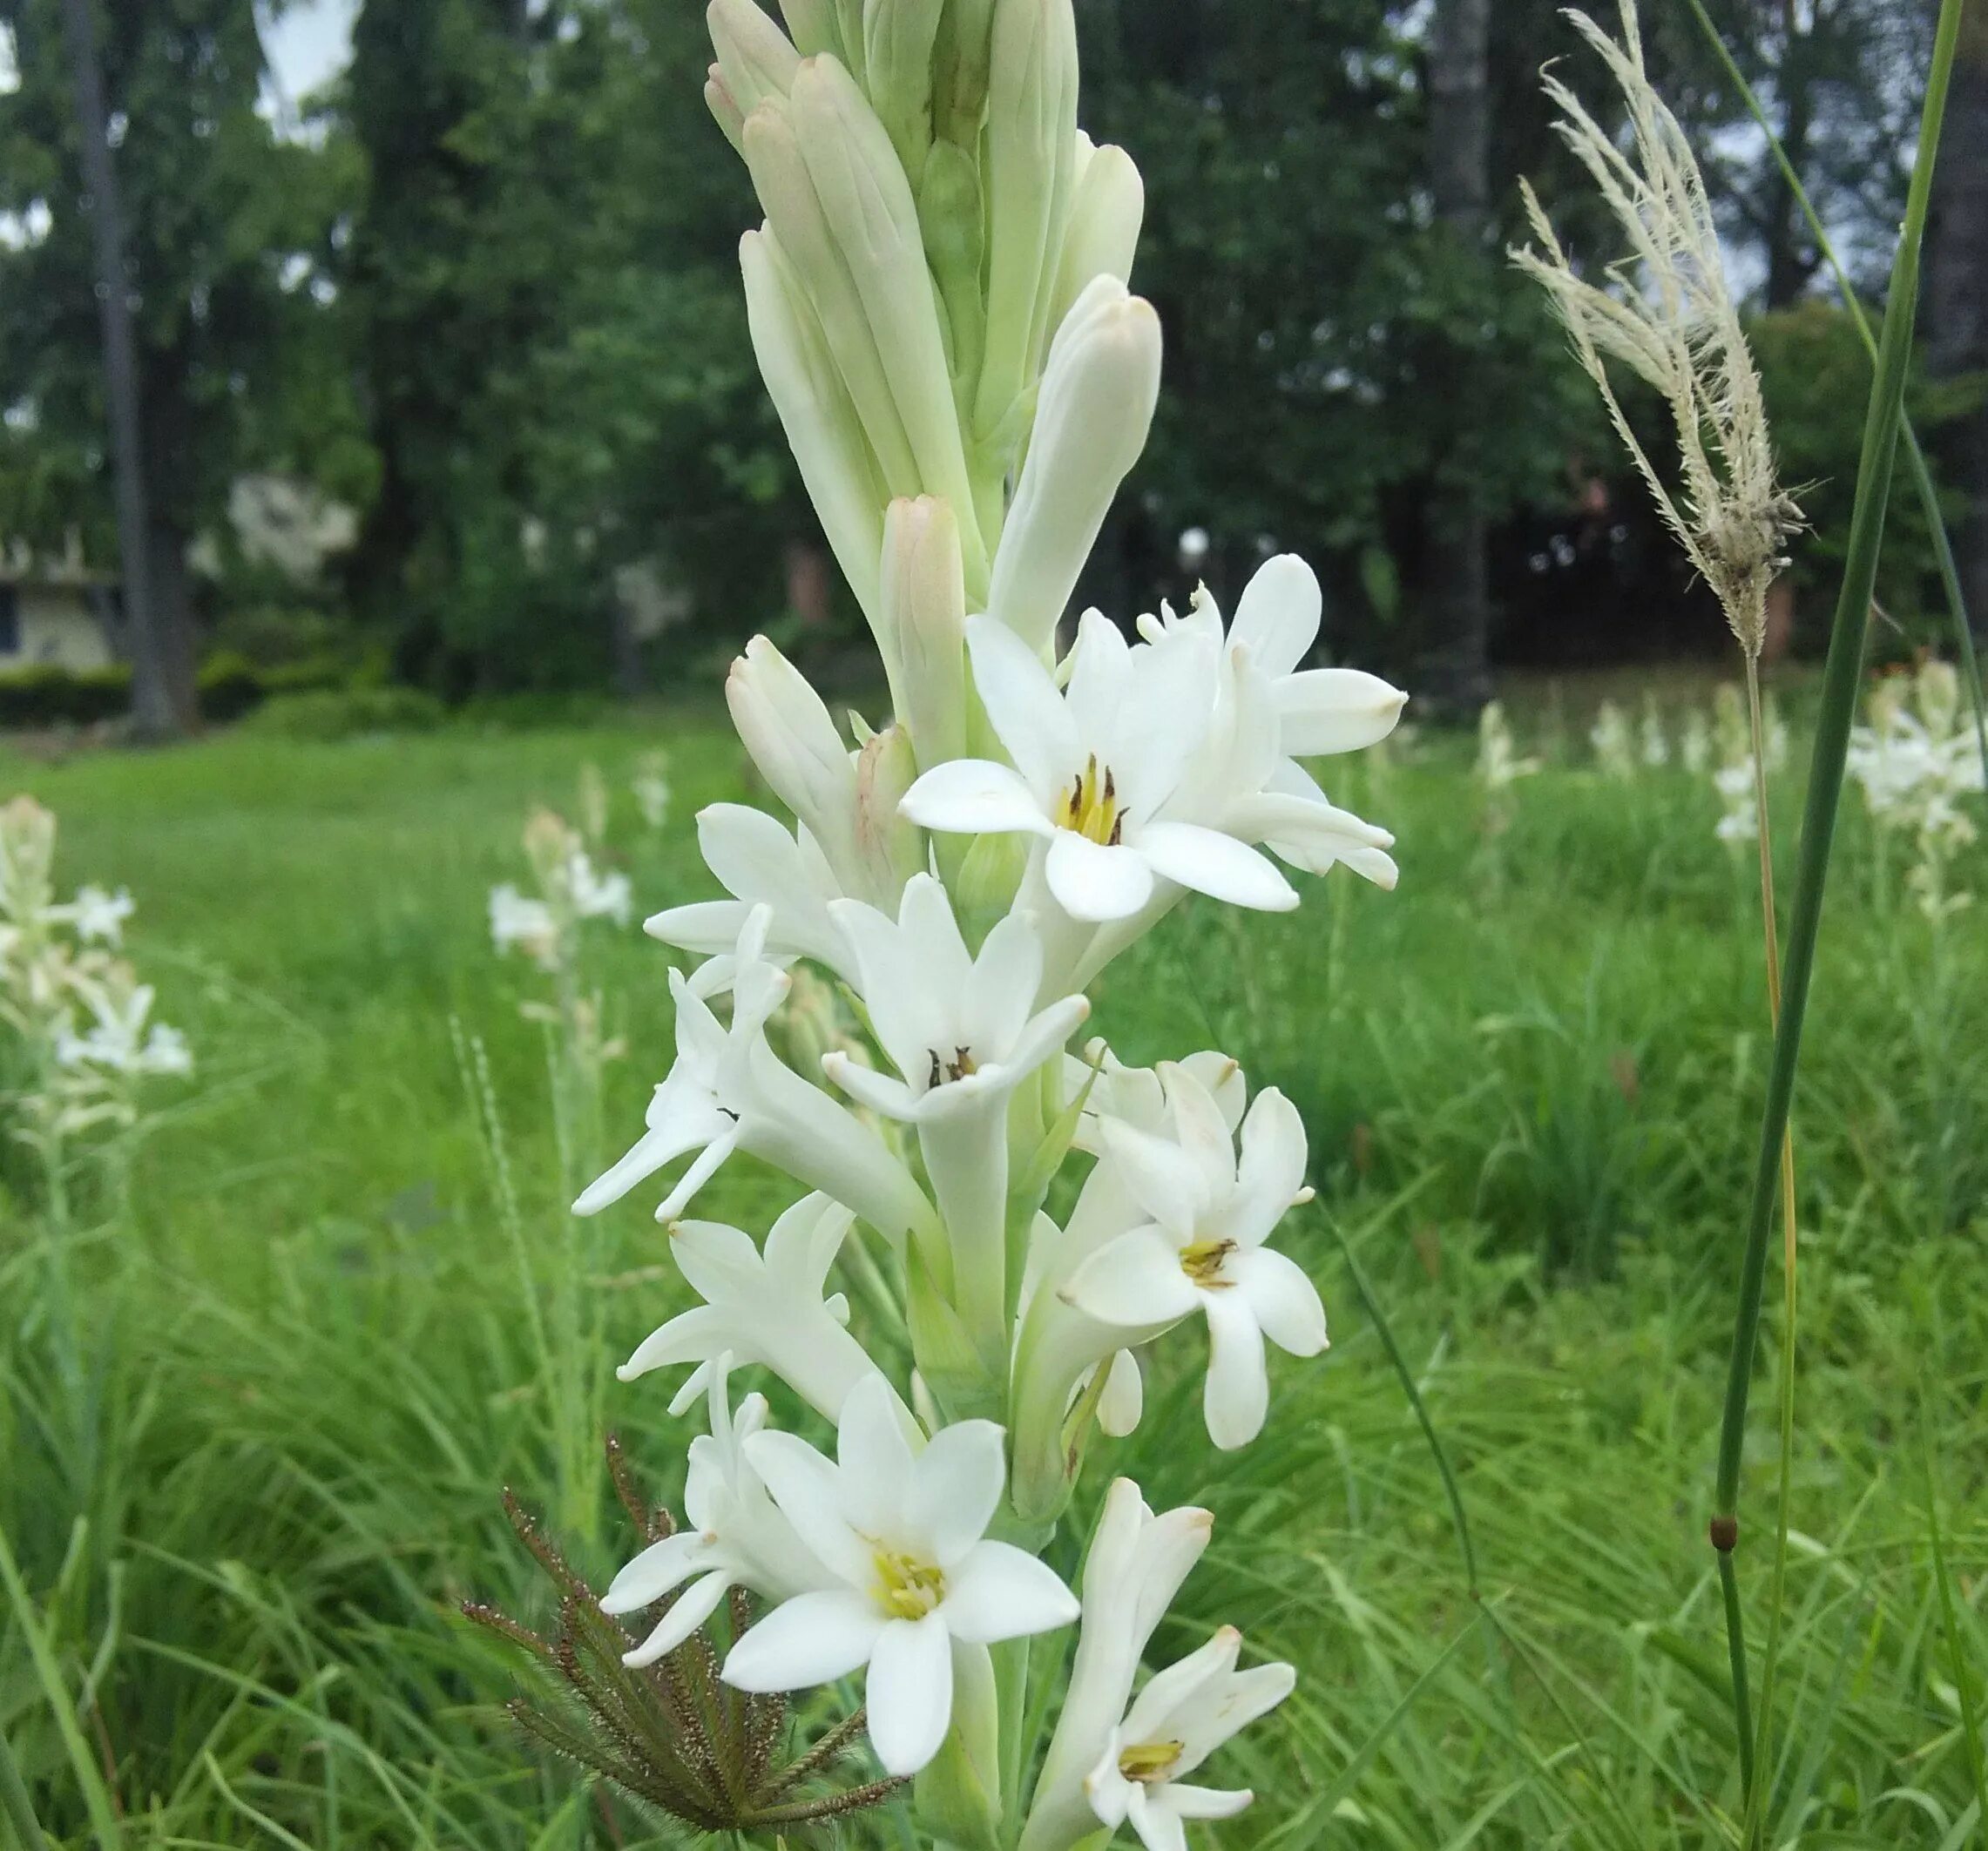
{"x": 1671, "y": 320}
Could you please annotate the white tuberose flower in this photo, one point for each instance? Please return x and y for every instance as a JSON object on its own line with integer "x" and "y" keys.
{"x": 1135, "y": 1566}
{"x": 1246, "y": 780}
{"x": 729, "y": 1090}
{"x": 1094, "y": 768}
{"x": 519, "y": 922}
{"x": 96, "y": 915}
{"x": 767, "y": 1309}
{"x": 958, "y": 1028}
{"x": 1182, "y": 1716}
{"x": 1202, "y": 1247}
{"x": 905, "y": 1536}
{"x": 737, "y": 1537}
{"x": 759, "y": 864}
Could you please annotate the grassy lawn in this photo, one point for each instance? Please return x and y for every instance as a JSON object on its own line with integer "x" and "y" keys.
{"x": 314, "y": 1326}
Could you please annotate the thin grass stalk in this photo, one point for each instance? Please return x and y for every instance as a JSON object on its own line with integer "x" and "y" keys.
{"x": 1372, "y": 1307}
{"x": 15, "y": 1806}
{"x": 1842, "y": 676}
{"x": 1770, "y": 940}
{"x": 1914, "y": 452}
{"x": 1950, "y": 1623}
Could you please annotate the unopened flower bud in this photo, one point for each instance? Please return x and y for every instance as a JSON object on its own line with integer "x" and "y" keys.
{"x": 753, "y": 54}
{"x": 793, "y": 741}
{"x": 897, "y": 73}
{"x": 959, "y": 71}
{"x": 822, "y": 428}
{"x": 1105, "y": 212}
{"x": 1030, "y": 149}
{"x": 793, "y": 211}
{"x": 724, "y": 111}
{"x": 1096, "y": 407}
{"x": 922, "y": 599}
{"x": 868, "y": 208}
{"x": 811, "y": 25}
{"x": 891, "y": 847}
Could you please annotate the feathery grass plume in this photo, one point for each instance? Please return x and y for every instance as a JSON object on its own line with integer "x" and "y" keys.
{"x": 668, "y": 1734}
{"x": 1671, "y": 321}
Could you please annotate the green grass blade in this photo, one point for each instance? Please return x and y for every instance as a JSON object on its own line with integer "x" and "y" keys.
{"x": 1372, "y": 1306}
{"x": 15, "y": 1806}
{"x": 1950, "y": 1624}
{"x": 1842, "y": 677}
{"x": 1914, "y": 453}
{"x": 89, "y": 1779}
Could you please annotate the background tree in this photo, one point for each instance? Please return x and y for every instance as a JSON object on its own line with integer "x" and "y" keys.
{"x": 226, "y": 230}
{"x": 543, "y": 285}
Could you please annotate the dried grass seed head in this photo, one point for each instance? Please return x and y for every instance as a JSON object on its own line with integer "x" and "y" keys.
{"x": 1670, "y": 318}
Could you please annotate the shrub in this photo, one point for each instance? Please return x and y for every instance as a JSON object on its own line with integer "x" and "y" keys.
{"x": 46, "y": 694}
{"x": 350, "y": 713}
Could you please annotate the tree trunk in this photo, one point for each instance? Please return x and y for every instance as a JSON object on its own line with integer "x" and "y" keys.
{"x": 157, "y": 711}
{"x": 1790, "y": 261}
{"x": 1955, "y": 316}
{"x": 173, "y": 615}
{"x": 1457, "y": 598}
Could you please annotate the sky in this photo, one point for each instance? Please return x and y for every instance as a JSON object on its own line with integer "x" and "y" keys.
{"x": 308, "y": 46}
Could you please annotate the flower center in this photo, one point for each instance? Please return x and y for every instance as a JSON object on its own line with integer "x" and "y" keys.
{"x": 1150, "y": 1763}
{"x": 957, "y": 1068}
{"x": 907, "y": 1588}
{"x": 1202, "y": 1262}
{"x": 1091, "y": 806}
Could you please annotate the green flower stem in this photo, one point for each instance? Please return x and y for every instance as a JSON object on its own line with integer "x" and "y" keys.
{"x": 1842, "y": 677}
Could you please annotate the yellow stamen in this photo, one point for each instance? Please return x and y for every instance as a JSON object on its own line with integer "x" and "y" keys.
{"x": 907, "y": 1588}
{"x": 1202, "y": 1262}
{"x": 1150, "y": 1763}
{"x": 1090, "y": 807}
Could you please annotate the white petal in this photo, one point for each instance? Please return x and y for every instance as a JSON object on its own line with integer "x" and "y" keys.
{"x": 1045, "y": 1033}
{"x": 1278, "y": 614}
{"x": 1215, "y": 864}
{"x": 659, "y": 1567}
{"x": 692, "y": 1336}
{"x": 1094, "y": 882}
{"x": 1123, "y": 1398}
{"x": 910, "y": 1693}
{"x": 955, "y": 1489}
{"x": 809, "y": 1492}
{"x": 694, "y": 1606}
{"x": 1336, "y": 710}
{"x": 1022, "y": 705}
{"x": 872, "y": 1456}
{"x": 813, "y": 1638}
{"x": 708, "y": 926}
{"x": 1134, "y": 1282}
{"x": 752, "y": 855}
{"x": 882, "y": 1092}
{"x": 705, "y": 1165}
{"x": 692, "y": 1123}
{"x": 1157, "y": 1823}
{"x": 720, "y": 1263}
{"x": 974, "y": 797}
{"x": 999, "y": 1592}
{"x": 1281, "y": 1298}
{"x": 1169, "y": 1182}
{"x": 1272, "y": 1170}
{"x": 1227, "y": 1705}
{"x": 1237, "y": 1396}
{"x": 1206, "y": 1802}
{"x": 1001, "y": 987}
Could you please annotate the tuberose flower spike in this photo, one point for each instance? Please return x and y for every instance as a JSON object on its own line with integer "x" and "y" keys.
{"x": 668, "y": 1734}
